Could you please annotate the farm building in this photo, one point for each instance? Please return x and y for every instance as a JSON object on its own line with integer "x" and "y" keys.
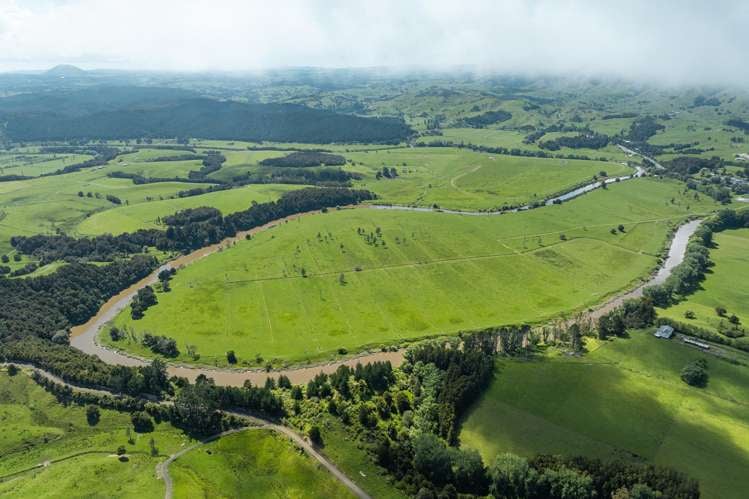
{"x": 665, "y": 332}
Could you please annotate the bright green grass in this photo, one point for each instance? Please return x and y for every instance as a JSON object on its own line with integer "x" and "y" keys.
{"x": 726, "y": 284}
{"x": 147, "y": 215}
{"x": 161, "y": 169}
{"x": 350, "y": 457}
{"x": 438, "y": 274}
{"x": 513, "y": 139}
{"x": 43, "y": 205}
{"x": 253, "y": 463}
{"x": 36, "y": 428}
{"x": 33, "y": 165}
{"x": 622, "y": 400}
{"x": 463, "y": 179}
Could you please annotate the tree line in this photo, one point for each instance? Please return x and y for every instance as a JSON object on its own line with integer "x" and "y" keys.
{"x": 183, "y": 233}
{"x": 305, "y": 159}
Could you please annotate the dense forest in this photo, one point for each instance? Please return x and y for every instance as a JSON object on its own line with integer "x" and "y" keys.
{"x": 140, "y": 113}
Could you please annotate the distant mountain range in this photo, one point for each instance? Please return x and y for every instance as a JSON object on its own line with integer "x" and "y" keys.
{"x": 129, "y": 112}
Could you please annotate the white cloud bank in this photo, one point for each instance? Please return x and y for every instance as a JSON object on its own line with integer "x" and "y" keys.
{"x": 669, "y": 41}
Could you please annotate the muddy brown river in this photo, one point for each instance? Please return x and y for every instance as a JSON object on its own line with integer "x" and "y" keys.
{"x": 84, "y": 337}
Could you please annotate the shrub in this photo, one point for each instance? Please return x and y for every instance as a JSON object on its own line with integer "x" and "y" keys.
{"x": 314, "y": 435}
{"x": 141, "y": 422}
{"x": 92, "y": 415}
{"x": 12, "y": 369}
{"x": 695, "y": 373}
{"x": 689, "y": 314}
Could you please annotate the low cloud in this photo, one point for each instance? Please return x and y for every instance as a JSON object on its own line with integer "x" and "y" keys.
{"x": 671, "y": 42}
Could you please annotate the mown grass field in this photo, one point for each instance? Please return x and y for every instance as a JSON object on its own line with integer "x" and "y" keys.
{"x": 424, "y": 274}
{"x": 147, "y": 215}
{"x": 624, "y": 400}
{"x": 463, "y": 179}
{"x": 726, "y": 285}
{"x": 36, "y": 428}
{"x": 253, "y": 463}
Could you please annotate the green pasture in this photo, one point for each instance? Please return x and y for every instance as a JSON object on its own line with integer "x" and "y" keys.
{"x": 463, "y": 179}
{"x": 253, "y": 463}
{"x": 622, "y": 400}
{"x": 81, "y": 460}
{"x": 34, "y": 165}
{"x": 726, "y": 285}
{"x": 513, "y": 139}
{"x": 313, "y": 286}
{"x": 47, "y": 204}
{"x": 148, "y": 215}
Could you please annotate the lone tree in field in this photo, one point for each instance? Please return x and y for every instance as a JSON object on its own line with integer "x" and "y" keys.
{"x": 92, "y": 415}
{"x": 695, "y": 373}
{"x": 231, "y": 357}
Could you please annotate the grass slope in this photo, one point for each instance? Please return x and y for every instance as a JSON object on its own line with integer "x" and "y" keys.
{"x": 428, "y": 274}
{"x": 147, "y": 215}
{"x": 253, "y": 463}
{"x": 622, "y": 400}
{"x": 726, "y": 284}
{"x": 36, "y": 428}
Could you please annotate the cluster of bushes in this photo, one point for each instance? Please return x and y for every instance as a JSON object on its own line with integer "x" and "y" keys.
{"x": 695, "y": 373}
{"x": 643, "y": 128}
{"x": 145, "y": 298}
{"x": 635, "y": 313}
{"x": 738, "y": 123}
{"x": 212, "y": 162}
{"x": 386, "y": 173}
{"x": 305, "y": 159}
{"x": 582, "y": 141}
{"x": 487, "y": 118}
{"x": 163, "y": 345}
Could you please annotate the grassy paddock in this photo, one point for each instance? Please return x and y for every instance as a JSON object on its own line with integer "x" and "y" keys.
{"x": 36, "y": 429}
{"x": 463, "y": 179}
{"x": 622, "y": 400}
{"x": 253, "y": 463}
{"x": 313, "y": 286}
{"x": 726, "y": 285}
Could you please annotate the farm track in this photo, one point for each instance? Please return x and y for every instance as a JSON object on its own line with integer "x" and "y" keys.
{"x": 84, "y": 337}
{"x": 162, "y": 469}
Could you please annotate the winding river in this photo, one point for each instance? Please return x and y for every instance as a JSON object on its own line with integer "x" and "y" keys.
{"x": 84, "y": 337}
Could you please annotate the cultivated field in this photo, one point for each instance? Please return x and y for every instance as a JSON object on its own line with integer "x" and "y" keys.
{"x": 724, "y": 286}
{"x": 363, "y": 277}
{"x": 622, "y": 400}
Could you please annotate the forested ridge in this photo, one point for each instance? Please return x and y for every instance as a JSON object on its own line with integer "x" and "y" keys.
{"x": 75, "y": 116}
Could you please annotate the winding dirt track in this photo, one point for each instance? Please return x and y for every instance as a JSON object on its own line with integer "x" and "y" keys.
{"x": 84, "y": 337}
{"x": 162, "y": 469}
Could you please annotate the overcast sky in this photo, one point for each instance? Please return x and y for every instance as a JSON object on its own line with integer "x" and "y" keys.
{"x": 671, "y": 41}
